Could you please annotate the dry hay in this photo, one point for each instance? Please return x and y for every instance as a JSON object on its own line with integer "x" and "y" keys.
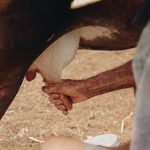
{"x": 31, "y": 117}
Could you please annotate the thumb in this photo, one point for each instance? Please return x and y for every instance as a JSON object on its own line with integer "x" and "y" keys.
{"x": 50, "y": 89}
{"x": 67, "y": 101}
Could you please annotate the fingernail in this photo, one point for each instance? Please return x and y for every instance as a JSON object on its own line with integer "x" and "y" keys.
{"x": 45, "y": 89}
{"x": 65, "y": 112}
{"x": 55, "y": 95}
{"x": 59, "y": 102}
{"x": 62, "y": 107}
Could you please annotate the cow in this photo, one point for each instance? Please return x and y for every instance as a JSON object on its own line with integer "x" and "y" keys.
{"x": 52, "y": 61}
{"x": 27, "y": 28}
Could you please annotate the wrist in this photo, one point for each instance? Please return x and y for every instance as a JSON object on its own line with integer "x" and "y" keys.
{"x": 90, "y": 87}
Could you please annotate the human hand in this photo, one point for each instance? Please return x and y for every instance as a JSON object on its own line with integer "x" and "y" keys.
{"x": 66, "y": 92}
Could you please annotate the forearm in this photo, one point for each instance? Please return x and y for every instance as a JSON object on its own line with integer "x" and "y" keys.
{"x": 81, "y": 90}
{"x": 115, "y": 79}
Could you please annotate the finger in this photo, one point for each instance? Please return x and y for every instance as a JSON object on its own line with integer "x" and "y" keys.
{"x": 45, "y": 89}
{"x": 54, "y": 96}
{"x": 61, "y": 107}
{"x": 50, "y": 89}
{"x": 65, "y": 112}
{"x": 55, "y": 99}
{"x": 62, "y": 100}
{"x": 57, "y": 102}
{"x": 66, "y": 101}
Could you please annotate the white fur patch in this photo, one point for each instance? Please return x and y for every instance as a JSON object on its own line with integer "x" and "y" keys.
{"x": 91, "y": 32}
{"x": 51, "y": 62}
{"x": 81, "y": 3}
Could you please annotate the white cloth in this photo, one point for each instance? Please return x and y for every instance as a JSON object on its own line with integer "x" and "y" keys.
{"x": 141, "y": 67}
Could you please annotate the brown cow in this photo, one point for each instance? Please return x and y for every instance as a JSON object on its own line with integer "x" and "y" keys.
{"x": 119, "y": 33}
{"x": 26, "y": 26}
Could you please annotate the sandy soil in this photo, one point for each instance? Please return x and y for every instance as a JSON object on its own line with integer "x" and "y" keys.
{"x": 31, "y": 115}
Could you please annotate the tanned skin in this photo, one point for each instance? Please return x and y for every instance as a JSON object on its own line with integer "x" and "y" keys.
{"x": 26, "y": 25}
{"x": 76, "y": 91}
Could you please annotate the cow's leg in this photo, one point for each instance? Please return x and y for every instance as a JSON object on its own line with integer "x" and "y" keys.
{"x": 9, "y": 86}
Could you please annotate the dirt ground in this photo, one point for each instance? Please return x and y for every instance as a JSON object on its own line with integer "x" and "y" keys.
{"x": 31, "y": 114}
